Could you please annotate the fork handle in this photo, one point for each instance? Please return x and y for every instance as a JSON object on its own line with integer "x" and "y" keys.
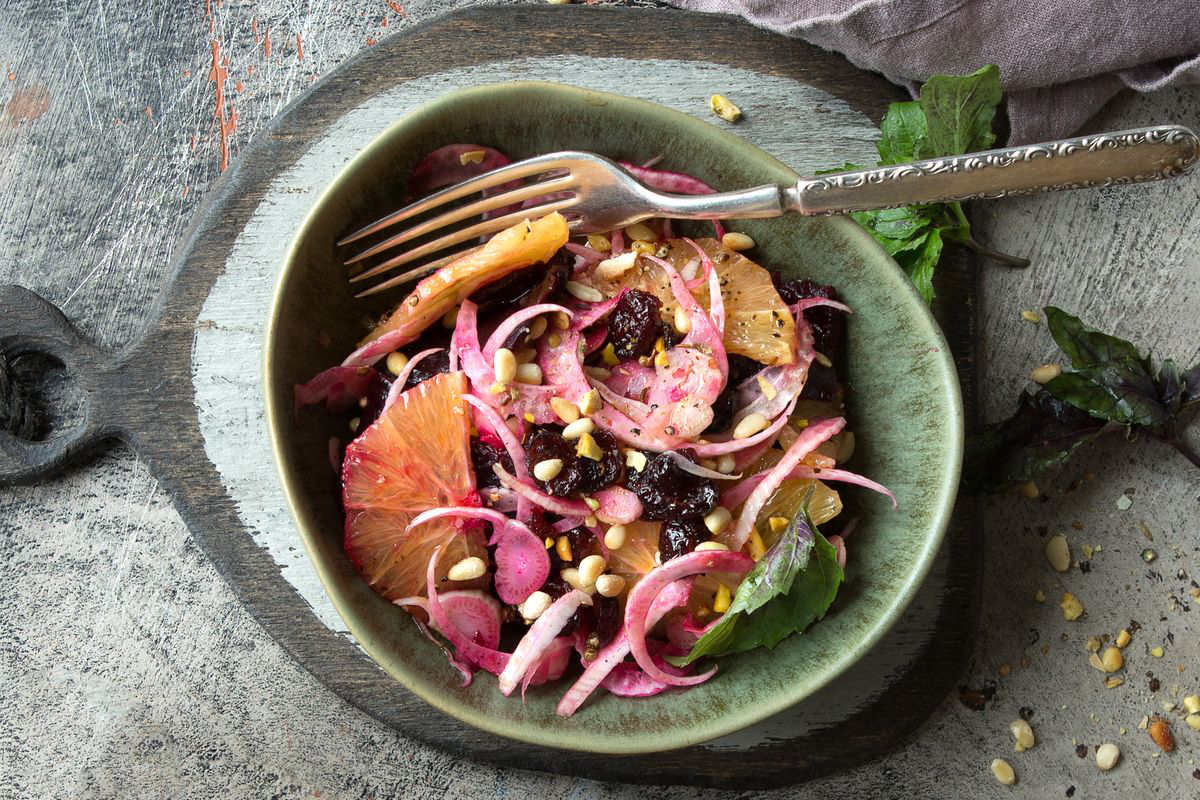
{"x": 1104, "y": 159}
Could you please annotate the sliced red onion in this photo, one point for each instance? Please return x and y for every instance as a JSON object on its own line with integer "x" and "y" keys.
{"x": 558, "y": 505}
{"x": 514, "y": 321}
{"x": 786, "y": 380}
{"x": 642, "y": 596}
{"x": 737, "y": 495}
{"x": 550, "y": 665}
{"x": 493, "y": 422}
{"x": 491, "y": 515}
{"x": 677, "y": 182}
{"x": 716, "y": 300}
{"x": 567, "y": 524}
{"x": 445, "y": 167}
{"x": 839, "y": 546}
{"x": 628, "y": 680}
{"x": 376, "y": 349}
{"x": 616, "y": 241}
{"x": 337, "y": 387}
{"x": 672, "y": 596}
{"x": 630, "y": 379}
{"x": 618, "y": 506}
{"x": 539, "y": 637}
{"x": 810, "y": 438}
{"x": 692, "y": 468}
{"x": 587, "y": 315}
{"x": 522, "y": 563}
{"x": 684, "y": 631}
{"x": 464, "y": 669}
{"x": 718, "y": 448}
{"x": 398, "y": 384}
{"x": 800, "y": 306}
{"x": 490, "y": 659}
{"x": 588, "y": 255}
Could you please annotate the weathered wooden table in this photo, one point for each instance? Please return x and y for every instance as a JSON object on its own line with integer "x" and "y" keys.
{"x": 132, "y": 670}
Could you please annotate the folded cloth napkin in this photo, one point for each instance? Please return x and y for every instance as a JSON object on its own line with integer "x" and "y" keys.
{"x": 1060, "y": 60}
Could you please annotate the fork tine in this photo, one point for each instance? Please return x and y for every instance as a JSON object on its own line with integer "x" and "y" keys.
{"x": 521, "y": 169}
{"x": 470, "y": 210}
{"x": 483, "y": 228}
{"x": 418, "y": 272}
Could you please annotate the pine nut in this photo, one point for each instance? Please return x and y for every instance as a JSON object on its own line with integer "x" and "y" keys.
{"x": 683, "y": 321}
{"x": 535, "y": 605}
{"x": 584, "y": 292}
{"x": 614, "y": 537}
{"x": 717, "y": 520}
{"x": 591, "y": 502}
{"x": 566, "y": 410}
{"x": 1107, "y": 756}
{"x": 396, "y": 362}
{"x": 640, "y": 247}
{"x": 612, "y": 268}
{"x": 467, "y": 570}
{"x": 526, "y": 355}
{"x": 1192, "y": 703}
{"x": 726, "y": 464}
{"x": 591, "y": 568}
{"x": 1123, "y": 640}
{"x": 578, "y": 428}
{"x": 354, "y": 423}
{"x": 1003, "y": 771}
{"x": 1058, "y": 553}
{"x": 736, "y": 241}
{"x": 554, "y": 340}
{"x": 1193, "y": 721}
{"x": 1022, "y": 735}
{"x": 750, "y": 425}
{"x": 561, "y": 321}
{"x": 1029, "y": 315}
{"x": 711, "y": 546}
{"x": 529, "y": 373}
{"x": 547, "y": 470}
{"x": 610, "y": 585}
{"x": 571, "y": 576}
{"x": 590, "y": 403}
{"x": 504, "y": 364}
{"x": 1045, "y": 373}
{"x": 537, "y": 328}
{"x": 640, "y": 231}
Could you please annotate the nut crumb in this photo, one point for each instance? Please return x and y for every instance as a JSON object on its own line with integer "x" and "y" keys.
{"x": 1003, "y": 771}
{"x": 1072, "y": 609}
{"x": 1029, "y": 315}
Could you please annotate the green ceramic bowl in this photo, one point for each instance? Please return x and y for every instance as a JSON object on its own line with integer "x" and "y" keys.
{"x": 906, "y": 412}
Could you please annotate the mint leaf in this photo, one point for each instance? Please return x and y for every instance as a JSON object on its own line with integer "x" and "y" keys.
{"x": 792, "y": 586}
{"x": 959, "y": 111}
{"x": 894, "y": 224}
{"x": 903, "y": 132}
{"x": 920, "y": 264}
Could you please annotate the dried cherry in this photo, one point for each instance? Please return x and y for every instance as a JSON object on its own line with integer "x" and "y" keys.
{"x": 667, "y": 492}
{"x": 485, "y": 455}
{"x": 578, "y": 475}
{"x": 429, "y": 366}
{"x": 635, "y": 325}
{"x": 680, "y": 536}
{"x": 828, "y": 324}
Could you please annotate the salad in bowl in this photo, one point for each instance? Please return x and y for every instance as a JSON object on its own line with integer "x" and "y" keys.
{"x": 598, "y": 460}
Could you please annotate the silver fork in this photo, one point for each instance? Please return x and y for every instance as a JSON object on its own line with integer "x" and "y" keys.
{"x": 599, "y": 195}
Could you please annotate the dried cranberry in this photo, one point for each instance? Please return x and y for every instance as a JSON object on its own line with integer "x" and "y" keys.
{"x": 578, "y": 475}
{"x": 635, "y": 325}
{"x": 429, "y": 366}
{"x": 828, "y": 324}
{"x": 484, "y": 456}
{"x": 375, "y": 395}
{"x": 680, "y": 536}
{"x": 667, "y": 492}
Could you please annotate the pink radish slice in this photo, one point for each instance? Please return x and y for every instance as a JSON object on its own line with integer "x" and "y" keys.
{"x": 474, "y": 613}
{"x": 839, "y": 546}
{"x": 539, "y": 637}
{"x": 522, "y": 563}
{"x": 810, "y": 438}
{"x": 567, "y": 524}
{"x": 738, "y": 494}
{"x": 674, "y": 595}
{"x": 642, "y": 596}
{"x": 514, "y": 321}
{"x": 488, "y": 658}
{"x": 550, "y": 665}
{"x": 618, "y": 505}
{"x": 557, "y": 505}
{"x": 401, "y": 379}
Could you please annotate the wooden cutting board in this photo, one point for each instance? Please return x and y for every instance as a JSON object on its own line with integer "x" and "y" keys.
{"x": 187, "y": 396}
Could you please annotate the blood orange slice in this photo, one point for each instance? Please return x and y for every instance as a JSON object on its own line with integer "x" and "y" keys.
{"x": 757, "y": 322}
{"x": 415, "y": 457}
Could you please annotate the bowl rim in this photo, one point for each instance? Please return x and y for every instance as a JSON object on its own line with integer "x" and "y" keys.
{"x": 737, "y": 718}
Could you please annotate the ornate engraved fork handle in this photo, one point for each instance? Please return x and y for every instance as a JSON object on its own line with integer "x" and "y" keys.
{"x": 1134, "y": 156}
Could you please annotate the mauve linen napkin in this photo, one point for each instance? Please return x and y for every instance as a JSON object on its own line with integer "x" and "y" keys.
{"x": 1060, "y": 60}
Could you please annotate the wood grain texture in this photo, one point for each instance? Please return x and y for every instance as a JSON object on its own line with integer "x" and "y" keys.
{"x": 134, "y": 671}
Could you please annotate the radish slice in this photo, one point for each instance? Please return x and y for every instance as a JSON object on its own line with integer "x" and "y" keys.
{"x": 692, "y": 468}
{"x": 641, "y": 597}
{"x": 550, "y": 665}
{"x": 539, "y": 637}
{"x": 475, "y": 613}
{"x": 401, "y": 379}
{"x": 557, "y": 505}
{"x": 522, "y": 563}
{"x": 810, "y": 438}
{"x": 618, "y": 505}
{"x": 488, "y": 658}
{"x": 737, "y": 495}
{"x": 674, "y": 595}
{"x": 514, "y": 321}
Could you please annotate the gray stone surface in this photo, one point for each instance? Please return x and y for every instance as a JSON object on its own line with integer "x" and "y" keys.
{"x": 130, "y": 670}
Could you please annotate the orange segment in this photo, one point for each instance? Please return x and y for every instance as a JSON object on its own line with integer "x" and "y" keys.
{"x": 635, "y": 558}
{"x": 416, "y": 456}
{"x": 509, "y": 250}
{"x": 824, "y": 505}
{"x": 757, "y": 322}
